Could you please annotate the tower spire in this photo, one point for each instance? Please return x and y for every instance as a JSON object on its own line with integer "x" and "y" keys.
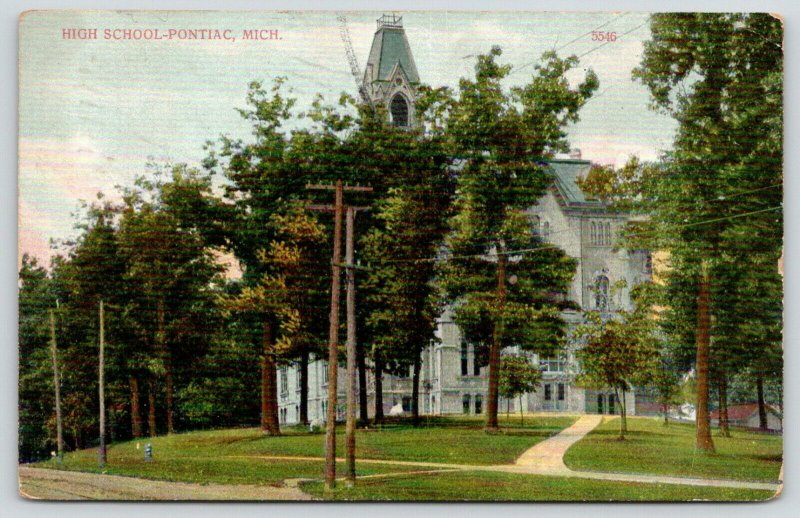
{"x": 391, "y": 75}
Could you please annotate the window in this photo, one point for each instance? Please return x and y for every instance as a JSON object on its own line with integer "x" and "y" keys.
{"x": 600, "y": 405}
{"x": 406, "y": 403}
{"x": 399, "y": 110}
{"x": 548, "y": 392}
{"x": 324, "y": 372}
{"x": 466, "y": 401}
{"x": 284, "y": 381}
{"x": 594, "y": 233}
{"x": 607, "y": 234}
{"x": 297, "y": 379}
{"x": 536, "y": 223}
{"x": 561, "y": 392}
{"x": 546, "y": 230}
{"x": 648, "y": 263}
{"x": 553, "y": 364}
{"x": 464, "y": 359}
{"x": 611, "y": 402}
{"x": 601, "y": 293}
{"x": 478, "y": 359}
{"x": 478, "y": 404}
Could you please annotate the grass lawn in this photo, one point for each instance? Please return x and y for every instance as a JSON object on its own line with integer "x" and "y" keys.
{"x": 490, "y": 486}
{"x": 650, "y": 447}
{"x": 220, "y": 455}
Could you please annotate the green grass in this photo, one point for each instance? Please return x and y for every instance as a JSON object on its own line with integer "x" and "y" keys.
{"x": 231, "y": 456}
{"x": 490, "y": 486}
{"x": 652, "y": 448}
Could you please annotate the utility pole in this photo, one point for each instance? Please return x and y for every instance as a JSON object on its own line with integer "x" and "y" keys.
{"x": 350, "y": 430}
{"x": 102, "y": 388}
{"x": 333, "y": 332}
{"x": 56, "y": 383}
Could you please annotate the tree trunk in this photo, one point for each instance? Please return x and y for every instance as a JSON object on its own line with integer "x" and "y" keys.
{"x": 762, "y": 407}
{"x": 623, "y": 412}
{"x": 136, "y": 411}
{"x": 304, "y": 387}
{"x": 722, "y": 389}
{"x": 415, "y": 389}
{"x": 161, "y": 343}
{"x": 666, "y": 414}
{"x": 521, "y": 415}
{"x": 270, "y": 422}
{"x": 497, "y": 338}
{"x": 703, "y": 439}
{"x": 378, "y": 391}
{"x": 363, "y": 405}
{"x": 170, "y": 390}
{"x": 151, "y": 411}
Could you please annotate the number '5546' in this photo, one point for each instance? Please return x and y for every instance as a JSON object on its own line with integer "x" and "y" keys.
{"x": 604, "y": 36}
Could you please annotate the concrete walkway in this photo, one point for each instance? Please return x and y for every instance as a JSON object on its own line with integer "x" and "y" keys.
{"x": 548, "y": 455}
{"x": 547, "y": 458}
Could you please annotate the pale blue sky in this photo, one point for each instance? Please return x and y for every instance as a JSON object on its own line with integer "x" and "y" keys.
{"x": 93, "y": 112}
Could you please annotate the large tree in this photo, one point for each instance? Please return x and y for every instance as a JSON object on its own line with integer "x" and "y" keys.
{"x": 716, "y": 196}
{"x": 500, "y": 139}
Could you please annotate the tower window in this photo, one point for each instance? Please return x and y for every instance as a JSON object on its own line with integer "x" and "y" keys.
{"x": 399, "y": 111}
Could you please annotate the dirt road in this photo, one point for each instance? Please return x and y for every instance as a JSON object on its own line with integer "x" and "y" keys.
{"x": 37, "y": 483}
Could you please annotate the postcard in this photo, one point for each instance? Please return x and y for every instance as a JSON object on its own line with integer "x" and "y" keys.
{"x": 400, "y": 256}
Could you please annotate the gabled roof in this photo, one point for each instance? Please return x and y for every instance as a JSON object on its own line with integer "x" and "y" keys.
{"x": 565, "y": 175}
{"x": 390, "y": 48}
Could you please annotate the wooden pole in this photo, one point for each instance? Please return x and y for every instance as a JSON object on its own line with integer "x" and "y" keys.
{"x": 102, "y": 389}
{"x": 57, "y": 385}
{"x": 333, "y": 343}
{"x": 333, "y": 332}
{"x": 350, "y": 432}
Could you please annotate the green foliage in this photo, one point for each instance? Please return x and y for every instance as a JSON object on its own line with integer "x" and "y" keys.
{"x": 518, "y": 376}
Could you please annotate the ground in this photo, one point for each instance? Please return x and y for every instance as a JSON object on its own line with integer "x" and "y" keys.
{"x": 550, "y": 458}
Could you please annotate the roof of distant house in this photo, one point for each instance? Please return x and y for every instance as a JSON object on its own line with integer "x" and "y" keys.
{"x": 743, "y": 411}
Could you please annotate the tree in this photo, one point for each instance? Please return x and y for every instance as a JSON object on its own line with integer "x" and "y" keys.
{"x": 517, "y": 377}
{"x": 620, "y": 350}
{"x": 173, "y": 272}
{"x": 500, "y": 139}
{"x": 720, "y": 76}
{"x": 408, "y": 228}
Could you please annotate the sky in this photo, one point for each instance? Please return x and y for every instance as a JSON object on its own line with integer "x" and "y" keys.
{"x": 94, "y": 112}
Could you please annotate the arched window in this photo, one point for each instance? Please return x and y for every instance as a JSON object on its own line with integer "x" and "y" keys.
{"x": 601, "y": 292}
{"x": 536, "y": 226}
{"x": 607, "y": 236}
{"x": 467, "y": 401}
{"x": 478, "y": 404}
{"x": 399, "y": 110}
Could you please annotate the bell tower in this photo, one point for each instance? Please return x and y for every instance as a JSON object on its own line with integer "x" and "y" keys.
{"x": 391, "y": 77}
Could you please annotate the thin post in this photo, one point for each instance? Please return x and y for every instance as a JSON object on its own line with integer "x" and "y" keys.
{"x": 57, "y": 385}
{"x": 102, "y": 389}
{"x": 333, "y": 343}
{"x": 350, "y": 432}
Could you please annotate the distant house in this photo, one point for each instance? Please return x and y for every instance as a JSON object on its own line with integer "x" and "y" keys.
{"x": 746, "y": 415}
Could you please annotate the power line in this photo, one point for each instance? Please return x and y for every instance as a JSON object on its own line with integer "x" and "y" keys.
{"x": 533, "y": 249}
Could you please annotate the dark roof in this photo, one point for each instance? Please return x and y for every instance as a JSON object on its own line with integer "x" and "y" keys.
{"x": 389, "y": 48}
{"x": 741, "y": 412}
{"x": 565, "y": 174}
